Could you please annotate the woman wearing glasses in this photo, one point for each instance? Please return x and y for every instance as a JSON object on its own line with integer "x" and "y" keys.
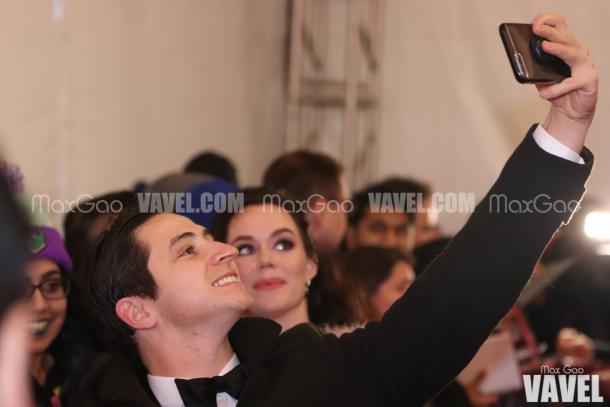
{"x": 47, "y": 272}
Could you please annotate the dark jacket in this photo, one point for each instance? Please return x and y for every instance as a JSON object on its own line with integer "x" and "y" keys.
{"x": 427, "y": 337}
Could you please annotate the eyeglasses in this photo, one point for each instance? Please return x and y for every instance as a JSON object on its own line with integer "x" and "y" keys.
{"x": 52, "y": 289}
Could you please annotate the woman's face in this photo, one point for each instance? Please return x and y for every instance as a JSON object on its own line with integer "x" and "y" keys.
{"x": 47, "y": 315}
{"x": 272, "y": 261}
{"x": 393, "y": 287}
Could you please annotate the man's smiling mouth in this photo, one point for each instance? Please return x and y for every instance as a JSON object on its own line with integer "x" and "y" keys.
{"x": 227, "y": 278}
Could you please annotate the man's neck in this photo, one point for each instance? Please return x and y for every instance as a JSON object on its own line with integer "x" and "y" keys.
{"x": 185, "y": 354}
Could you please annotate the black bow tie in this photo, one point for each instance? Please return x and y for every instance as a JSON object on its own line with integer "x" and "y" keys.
{"x": 202, "y": 392}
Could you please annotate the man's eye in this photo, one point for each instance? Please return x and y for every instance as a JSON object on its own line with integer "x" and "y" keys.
{"x": 187, "y": 251}
{"x": 284, "y": 244}
{"x": 245, "y": 249}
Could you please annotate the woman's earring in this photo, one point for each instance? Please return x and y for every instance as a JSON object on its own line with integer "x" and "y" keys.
{"x": 307, "y": 285}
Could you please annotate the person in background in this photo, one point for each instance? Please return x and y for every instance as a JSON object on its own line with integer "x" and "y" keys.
{"x": 86, "y": 220}
{"x": 82, "y": 225}
{"x": 382, "y": 275}
{"x": 397, "y": 212}
{"x": 425, "y": 217}
{"x": 278, "y": 264}
{"x": 213, "y": 164}
{"x": 14, "y": 315}
{"x": 208, "y": 198}
{"x": 48, "y": 273}
{"x": 577, "y": 294}
{"x": 14, "y": 234}
{"x": 377, "y": 221}
{"x": 173, "y": 182}
{"x": 316, "y": 183}
{"x": 205, "y": 167}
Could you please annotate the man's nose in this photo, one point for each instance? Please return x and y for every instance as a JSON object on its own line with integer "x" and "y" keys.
{"x": 223, "y": 253}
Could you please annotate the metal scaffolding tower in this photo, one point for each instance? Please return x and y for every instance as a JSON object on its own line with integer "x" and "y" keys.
{"x": 315, "y": 88}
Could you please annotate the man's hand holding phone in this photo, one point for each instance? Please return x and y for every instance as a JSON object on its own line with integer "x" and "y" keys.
{"x": 573, "y": 100}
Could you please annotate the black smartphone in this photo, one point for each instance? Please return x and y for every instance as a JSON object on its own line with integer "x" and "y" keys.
{"x": 530, "y": 63}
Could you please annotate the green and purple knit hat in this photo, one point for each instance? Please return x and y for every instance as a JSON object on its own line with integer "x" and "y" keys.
{"x": 46, "y": 243}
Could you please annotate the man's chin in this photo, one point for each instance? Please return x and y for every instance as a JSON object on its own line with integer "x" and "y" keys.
{"x": 244, "y": 303}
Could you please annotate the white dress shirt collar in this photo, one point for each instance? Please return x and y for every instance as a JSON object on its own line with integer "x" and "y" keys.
{"x": 166, "y": 392}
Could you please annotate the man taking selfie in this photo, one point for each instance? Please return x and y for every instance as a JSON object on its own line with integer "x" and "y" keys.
{"x": 168, "y": 296}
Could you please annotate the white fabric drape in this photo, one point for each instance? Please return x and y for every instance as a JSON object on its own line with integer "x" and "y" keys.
{"x": 147, "y": 83}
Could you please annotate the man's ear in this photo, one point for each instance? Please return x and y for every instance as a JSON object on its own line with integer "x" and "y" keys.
{"x": 137, "y": 312}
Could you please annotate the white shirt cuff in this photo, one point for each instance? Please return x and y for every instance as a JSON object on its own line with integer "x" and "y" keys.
{"x": 552, "y": 146}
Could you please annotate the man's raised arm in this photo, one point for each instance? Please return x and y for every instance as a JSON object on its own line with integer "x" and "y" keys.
{"x": 432, "y": 332}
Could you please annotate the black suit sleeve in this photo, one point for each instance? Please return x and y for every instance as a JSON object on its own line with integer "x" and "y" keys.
{"x": 431, "y": 333}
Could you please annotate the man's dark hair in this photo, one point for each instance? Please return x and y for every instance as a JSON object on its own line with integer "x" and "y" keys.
{"x": 362, "y": 202}
{"x": 409, "y": 185}
{"x": 301, "y": 174}
{"x": 117, "y": 267}
{"x": 214, "y": 164}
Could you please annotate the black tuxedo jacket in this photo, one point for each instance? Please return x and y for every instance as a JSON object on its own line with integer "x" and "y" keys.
{"x": 428, "y": 336}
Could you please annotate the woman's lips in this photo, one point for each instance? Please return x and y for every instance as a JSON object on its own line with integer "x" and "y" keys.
{"x": 39, "y": 328}
{"x": 269, "y": 284}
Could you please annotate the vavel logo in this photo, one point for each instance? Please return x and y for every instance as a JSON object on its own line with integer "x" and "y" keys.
{"x": 566, "y": 385}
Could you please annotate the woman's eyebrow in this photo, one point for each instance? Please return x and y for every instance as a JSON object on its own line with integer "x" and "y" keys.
{"x": 50, "y": 273}
{"x": 274, "y": 234}
{"x": 243, "y": 237}
{"x": 282, "y": 230}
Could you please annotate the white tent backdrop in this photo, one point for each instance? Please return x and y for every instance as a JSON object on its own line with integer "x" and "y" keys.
{"x": 99, "y": 93}
{"x": 126, "y": 90}
{"x": 452, "y": 110}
